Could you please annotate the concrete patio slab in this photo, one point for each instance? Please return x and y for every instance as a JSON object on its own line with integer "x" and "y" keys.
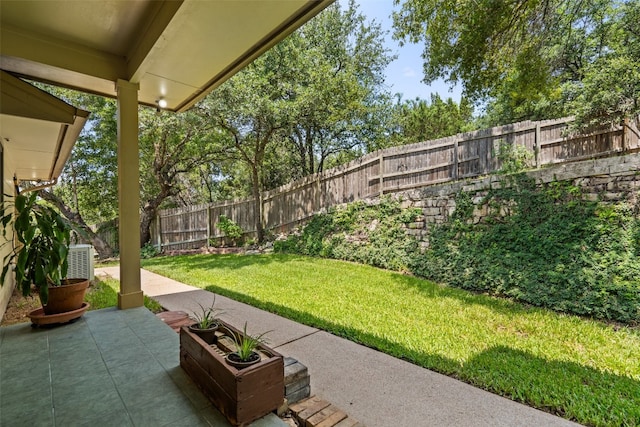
{"x": 109, "y": 368}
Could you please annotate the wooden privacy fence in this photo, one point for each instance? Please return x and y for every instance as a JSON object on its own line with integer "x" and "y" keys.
{"x": 193, "y": 227}
{"x": 392, "y": 170}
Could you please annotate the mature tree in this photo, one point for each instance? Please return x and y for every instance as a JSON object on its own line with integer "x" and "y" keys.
{"x": 251, "y": 109}
{"x": 610, "y": 85}
{"x": 339, "y": 97}
{"x": 527, "y": 57}
{"x": 87, "y": 191}
{"x": 418, "y": 120}
{"x": 171, "y": 145}
{"x": 476, "y": 43}
{"x": 78, "y": 223}
{"x": 318, "y": 91}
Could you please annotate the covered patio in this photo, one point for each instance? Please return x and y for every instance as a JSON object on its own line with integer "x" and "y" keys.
{"x": 116, "y": 366}
{"x": 164, "y": 54}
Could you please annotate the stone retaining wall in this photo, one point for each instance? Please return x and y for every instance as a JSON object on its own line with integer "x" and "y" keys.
{"x": 614, "y": 179}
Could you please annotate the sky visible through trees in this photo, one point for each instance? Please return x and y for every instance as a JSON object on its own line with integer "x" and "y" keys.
{"x": 404, "y": 75}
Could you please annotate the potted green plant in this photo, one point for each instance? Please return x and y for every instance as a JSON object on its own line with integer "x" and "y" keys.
{"x": 246, "y": 345}
{"x": 206, "y": 322}
{"x": 40, "y": 251}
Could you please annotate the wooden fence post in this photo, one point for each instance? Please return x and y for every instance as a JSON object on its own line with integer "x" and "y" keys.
{"x": 208, "y": 225}
{"x": 626, "y": 134}
{"x": 455, "y": 159}
{"x": 536, "y": 145}
{"x": 318, "y": 198}
{"x": 159, "y": 232}
{"x": 381, "y": 174}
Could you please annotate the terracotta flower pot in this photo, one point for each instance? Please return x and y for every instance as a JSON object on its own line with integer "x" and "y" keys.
{"x": 67, "y": 297}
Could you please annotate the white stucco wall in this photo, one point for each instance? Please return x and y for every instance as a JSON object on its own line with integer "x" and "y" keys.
{"x": 7, "y": 288}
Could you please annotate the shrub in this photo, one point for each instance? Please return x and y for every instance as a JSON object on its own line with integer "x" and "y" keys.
{"x": 513, "y": 158}
{"x": 373, "y": 235}
{"x": 543, "y": 245}
{"x": 149, "y": 251}
{"x": 553, "y": 249}
{"x": 230, "y": 229}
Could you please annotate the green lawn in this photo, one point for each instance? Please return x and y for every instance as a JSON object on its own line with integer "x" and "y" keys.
{"x": 104, "y": 293}
{"x": 580, "y": 369}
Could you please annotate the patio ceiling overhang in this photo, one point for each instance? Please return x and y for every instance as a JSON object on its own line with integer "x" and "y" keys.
{"x": 177, "y": 51}
{"x": 37, "y": 130}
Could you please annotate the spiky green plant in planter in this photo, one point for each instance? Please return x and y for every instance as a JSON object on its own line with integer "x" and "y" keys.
{"x": 43, "y": 239}
{"x": 206, "y": 322}
{"x": 246, "y": 346}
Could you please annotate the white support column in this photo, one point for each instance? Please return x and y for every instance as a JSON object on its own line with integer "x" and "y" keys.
{"x": 130, "y": 294}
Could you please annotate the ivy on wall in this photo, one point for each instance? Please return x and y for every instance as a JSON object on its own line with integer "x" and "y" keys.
{"x": 544, "y": 245}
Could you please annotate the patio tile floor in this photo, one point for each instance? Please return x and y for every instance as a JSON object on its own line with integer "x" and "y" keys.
{"x": 110, "y": 368}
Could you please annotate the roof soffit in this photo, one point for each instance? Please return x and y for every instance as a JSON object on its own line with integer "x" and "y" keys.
{"x": 37, "y": 130}
{"x": 178, "y": 50}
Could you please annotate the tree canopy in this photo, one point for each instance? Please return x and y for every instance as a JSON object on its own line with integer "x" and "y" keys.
{"x": 531, "y": 59}
{"x": 418, "y": 120}
{"x": 315, "y": 97}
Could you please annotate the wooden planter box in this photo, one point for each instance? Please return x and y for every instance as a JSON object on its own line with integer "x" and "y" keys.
{"x": 241, "y": 395}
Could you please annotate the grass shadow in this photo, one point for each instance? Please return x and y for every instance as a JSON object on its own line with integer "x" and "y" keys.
{"x": 101, "y": 295}
{"x": 443, "y": 364}
{"x": 427, "y": 288}
{"x": 104, "y": 294}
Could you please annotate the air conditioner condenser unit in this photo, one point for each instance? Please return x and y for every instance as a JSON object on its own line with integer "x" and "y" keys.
{"x": 80, "y": 262}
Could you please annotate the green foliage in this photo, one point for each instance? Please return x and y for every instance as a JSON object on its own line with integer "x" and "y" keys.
{"x": 610, "y": 88}
{"x": 43, "y": 244}
{"x": 247, "y": 344}
{"x": 149, "y": 250}
{"x": 544, "y": 246}
{"x": 418, "y": 120}
{"x": 338, "y": 99}
{"x": 577, "y": 368}
{"x": 230, "y": 229}
{"x": 379, "y": 231}
{"x": 513, "y": 158}
{"x": 306, "y": 102}
{"x": 207, "y": 317}
{"x": 104, "y": 294}
{"x": 532, "y": 60}
{"x": 89, "y": 184}
{"x": 172, "y": 146}
{"x": 478, "y": 43}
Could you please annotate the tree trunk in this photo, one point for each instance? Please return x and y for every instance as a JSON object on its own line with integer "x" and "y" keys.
{"x": 146, "y": 219}
{"x": 309, "y": 144}
{"x": 257, "y": 197}
{"x": 78, "y": 224}
{"x": 148, "y": 215}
